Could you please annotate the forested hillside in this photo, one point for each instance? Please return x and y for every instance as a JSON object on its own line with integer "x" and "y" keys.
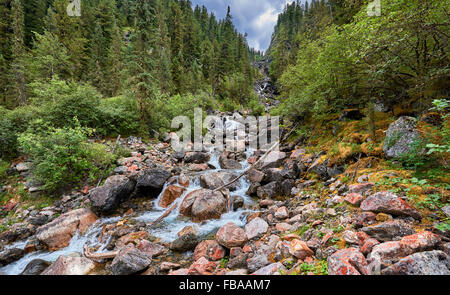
{"x": 151, "y": 56}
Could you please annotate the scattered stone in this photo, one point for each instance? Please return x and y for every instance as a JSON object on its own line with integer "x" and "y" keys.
{"x": 347, "y": 262}
{"x": 67, "y": 265}
{"x": 230, "y": 235}
{"x": 271, "y": 269}
{"x": 168, "y": 266}
{"x": 151, "y": 249}
{"x": 257, "y": 262}
{"x": 209, "y": 249}
{"x": 300, "y": 249}
{"x": 424, "y": 263}
{"x": 184, "y": 243}
{"x": 129, "y": 261}
{"x": 255, "y": 175}
{"x": 361, "y": 188}
{"x": 354, "y": 199}
{"x": 389, "y": 231}
{"x": 269, "y": 191}
{"x": 107, "y": 198}
{"x": 281, "y": 213}
{"x": 387, "y": 202}
{"x": 355, "y": 238}
{"x": 202, "y": 267}
{"x": 446, "y": 211}
{"x": 197, "y": 157}
{"x": 256, "y": 227}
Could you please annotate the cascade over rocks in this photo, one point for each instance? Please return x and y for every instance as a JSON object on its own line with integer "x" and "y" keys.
{"x": 58, "y": 233}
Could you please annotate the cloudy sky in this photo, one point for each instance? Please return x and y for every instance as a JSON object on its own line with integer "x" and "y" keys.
{"x": 257, "y": 18}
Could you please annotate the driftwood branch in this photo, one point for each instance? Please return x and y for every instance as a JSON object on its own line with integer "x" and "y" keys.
{"x": 97, "y": 256}
{"x": 167, "y": 213}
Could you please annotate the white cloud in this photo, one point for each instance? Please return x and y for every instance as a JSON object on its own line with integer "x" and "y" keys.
{"x": 255, "y": 17}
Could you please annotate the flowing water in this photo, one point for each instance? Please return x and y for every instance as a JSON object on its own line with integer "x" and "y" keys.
{"x": 166, "y": 231}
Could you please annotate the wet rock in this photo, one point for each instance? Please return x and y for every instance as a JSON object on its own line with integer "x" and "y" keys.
{"x": 170, "y": 194}
{"x": 186, "y": 206}
{"x": 228, "y": 161}
{"x": 209, "y": 205}
{"x": 257, "y": 262}
{"x": 196, "y": 158}
{"x": 151, "y": 249}
{"x": 256, "y": 227}
{"x": 10, "y": 255}
{"x": 230, "y": 235}
{"x": 179, "y": 272}
{"x": 347, "y": 262}
{"x": 387, "y": 202}
{"x": 401, "y": 138}
{"x": 67, "y": 265}
{"x": 184, "y": 243}
{"x": 129, "y": 261}
{"x": 269, "y": 190}
{"x": 58, "y": 233}
{"x": 255, "y": 176}
{"x": 389, "y": 231}
{"x": 253, "y": 189}
{"x": 271, "y": 269}
{"x": 183, "y": 180}
{"x": 390, "y": 252}
{"x": 35, "y": 267}
{"x": 151, "y": 182}
{"x": 209, "y": 249}
{"x": 202, "y": 267}
{"x": 237, "y": 202}
{"x": 424, "y": 263}
{"x": 134, "y": 237}
{"x": 215, "y": 180}
{"x": 107, "y": 198}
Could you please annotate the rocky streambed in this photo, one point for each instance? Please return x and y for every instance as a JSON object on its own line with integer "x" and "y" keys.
{"x": 269, "y": 222}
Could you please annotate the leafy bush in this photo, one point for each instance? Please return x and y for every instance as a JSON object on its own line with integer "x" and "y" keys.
{"x": 119, "y": 115}
{"x": 61, "y": 156}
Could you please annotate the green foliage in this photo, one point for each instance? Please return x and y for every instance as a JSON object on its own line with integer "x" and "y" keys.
{"x": 61, "y": 156}
{"x": 119, "y": 115}
{"x": 3, "y": 167}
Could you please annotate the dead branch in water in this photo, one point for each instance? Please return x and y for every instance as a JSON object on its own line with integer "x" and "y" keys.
{"x": 167, "y": 213}
{"x": 97, "y": 256}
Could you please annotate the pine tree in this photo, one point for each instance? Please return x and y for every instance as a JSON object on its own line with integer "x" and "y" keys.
{"x": 18, "y": 52}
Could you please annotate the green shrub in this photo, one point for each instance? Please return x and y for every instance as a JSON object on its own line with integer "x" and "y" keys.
{"x": 119, "y": 115}
{"x": 61, "y": 156}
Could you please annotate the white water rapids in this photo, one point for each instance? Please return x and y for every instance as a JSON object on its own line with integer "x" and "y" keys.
{"x": 168, "y": 229}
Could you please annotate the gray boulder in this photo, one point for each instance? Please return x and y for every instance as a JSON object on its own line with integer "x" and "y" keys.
{"x": 151, "y": 182}
{"x": 269, "y": 190}
{"x": 423, "y": 263}
{"x": 107, "y": 198}
{"x": 130, "y": 261}
{"x": 402, "y": 138}
{"x": 215, "y": 180}
{"x": 389, "y": 231}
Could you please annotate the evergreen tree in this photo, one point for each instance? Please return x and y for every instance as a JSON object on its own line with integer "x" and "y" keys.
{"x": 18, "y": 52}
